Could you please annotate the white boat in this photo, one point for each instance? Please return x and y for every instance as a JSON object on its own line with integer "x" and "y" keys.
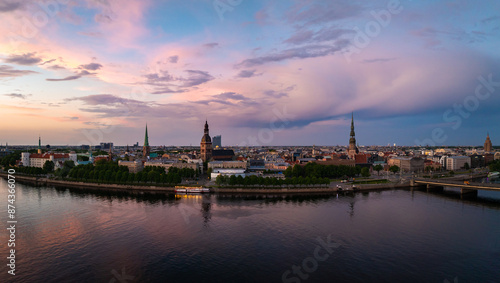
{"x": 493, "y": 174}
{"x": 181, "y": 189}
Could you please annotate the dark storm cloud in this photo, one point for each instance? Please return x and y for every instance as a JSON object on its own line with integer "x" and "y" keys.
{"x": 23, "y": 59}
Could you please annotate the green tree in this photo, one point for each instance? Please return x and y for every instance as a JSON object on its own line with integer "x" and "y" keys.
{"x": 466, "y": 166}
{"x": 365, "y": 172}
{"x": 378, "y": 168}
{"x": 394, "y": 169}
{"x": 494, "y": 166}
{"x": 48, "y": 166}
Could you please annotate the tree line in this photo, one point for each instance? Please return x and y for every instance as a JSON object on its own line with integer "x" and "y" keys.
{"x": 111, "y": 172}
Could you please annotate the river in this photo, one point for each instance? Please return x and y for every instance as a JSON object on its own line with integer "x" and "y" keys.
{"x": 71, "y": 235}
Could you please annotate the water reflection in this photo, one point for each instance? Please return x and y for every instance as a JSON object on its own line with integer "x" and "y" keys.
{"x": 78, "y": 235}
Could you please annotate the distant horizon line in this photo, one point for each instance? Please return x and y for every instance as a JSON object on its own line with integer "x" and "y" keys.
{"x": 261, "y": 146}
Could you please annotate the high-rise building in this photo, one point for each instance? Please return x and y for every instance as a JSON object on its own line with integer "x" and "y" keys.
{"x": 217, "y": 141}
{"x": 206, "y": 145}
{"x": 107, "y": 146}
{"x": 353, "y": 149}
{"x": 488, "y": 147}
{"x": 146, "y": 149}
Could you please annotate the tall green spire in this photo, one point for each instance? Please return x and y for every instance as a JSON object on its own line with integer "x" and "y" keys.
{"x": 146, "y": 139}
{"x": 352, "y": 125}
{"x": 39, "y": 142}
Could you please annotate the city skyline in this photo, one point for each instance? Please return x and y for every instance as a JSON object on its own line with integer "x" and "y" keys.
{"x": 281, "y": 73}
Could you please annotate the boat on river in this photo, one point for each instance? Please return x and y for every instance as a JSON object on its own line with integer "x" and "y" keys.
{"x": 493, "y": 174}
{"x": 187, "y": 190}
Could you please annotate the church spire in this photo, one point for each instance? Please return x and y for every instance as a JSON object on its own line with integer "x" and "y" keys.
{"x": 353, "y": 149}
{"x": 146, "y": 138}
{"x": 146, "y": 149}
{"x": 39, "y": 145}
{"x": 352, "y": 125}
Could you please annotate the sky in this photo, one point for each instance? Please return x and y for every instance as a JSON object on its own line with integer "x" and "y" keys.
{"x": 260, "y": 72}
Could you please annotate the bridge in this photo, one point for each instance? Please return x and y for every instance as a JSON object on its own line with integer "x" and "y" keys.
{"x": 466, "y": 187}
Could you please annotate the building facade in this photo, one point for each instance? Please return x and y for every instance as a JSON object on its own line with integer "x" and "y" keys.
{"x": 217, "y": 141}
{"x": 407, "y": 164}
{"x": 38, "y": 160}
{"x": 133, "y": 166}
{"x": 228, "y": 164}
{"x": 457, "y": 162}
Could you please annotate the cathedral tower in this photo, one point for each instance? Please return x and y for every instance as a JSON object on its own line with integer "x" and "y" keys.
{"x": 206, "y": 145}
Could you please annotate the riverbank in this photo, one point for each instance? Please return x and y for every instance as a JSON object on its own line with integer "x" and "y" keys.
{"x": 264, "y": 190}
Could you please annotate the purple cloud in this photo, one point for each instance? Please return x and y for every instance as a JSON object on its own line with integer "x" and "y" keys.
{"x": 173, "y": 59}
{"x": 211, "y": 45}
{"x": 310, "y": 51}
{"x": 196, "y": 77}
{"x": 91, "y": 66}
{"x": 71, "y": 78}
{"x": 6, "y": 6}
{"x": 8, "y": 71}
{"x": 17, "y": 95}
{"x": 23, "y": 59}
{"x": 300, "y": 37}
{"x": 247, "y": 74}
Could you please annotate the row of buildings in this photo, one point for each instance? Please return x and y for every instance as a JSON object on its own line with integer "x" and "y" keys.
{"x": 255, "y": 159}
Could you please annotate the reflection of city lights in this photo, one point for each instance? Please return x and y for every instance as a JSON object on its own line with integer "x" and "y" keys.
{"x": 189, "y": 196}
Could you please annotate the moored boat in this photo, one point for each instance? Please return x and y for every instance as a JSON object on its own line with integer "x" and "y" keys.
{"x": 493, "y": 174}
{"x": 184, "y": 189}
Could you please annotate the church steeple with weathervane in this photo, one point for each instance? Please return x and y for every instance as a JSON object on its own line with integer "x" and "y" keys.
{"x": 39, "y": 145}
{"x": 146, "y": 149}
{"x": 353, "y": 149}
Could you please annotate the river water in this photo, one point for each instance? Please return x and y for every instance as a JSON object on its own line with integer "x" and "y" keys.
{"x": 70, "y": 235}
